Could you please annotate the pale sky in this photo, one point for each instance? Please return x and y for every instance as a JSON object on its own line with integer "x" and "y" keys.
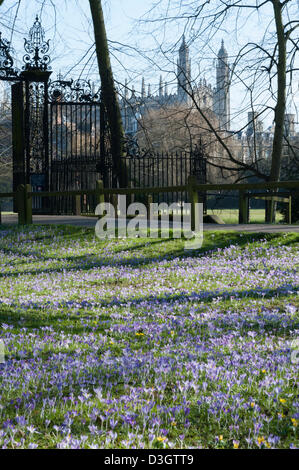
{"x": 71, "y": 37}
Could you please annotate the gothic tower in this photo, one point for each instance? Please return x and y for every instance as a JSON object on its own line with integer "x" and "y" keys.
{"x": 184, "y": 73}
{"x": 222, "y": 93}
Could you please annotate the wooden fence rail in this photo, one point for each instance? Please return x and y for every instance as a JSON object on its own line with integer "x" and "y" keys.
{"x": 23, "y": 196}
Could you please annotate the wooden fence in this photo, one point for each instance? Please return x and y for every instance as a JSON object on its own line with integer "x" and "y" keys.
{"x": 23, "y": 196}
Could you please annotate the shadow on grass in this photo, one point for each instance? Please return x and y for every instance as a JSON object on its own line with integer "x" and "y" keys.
{"x": 34, "y": 316}
{"x": 212, "y": 242}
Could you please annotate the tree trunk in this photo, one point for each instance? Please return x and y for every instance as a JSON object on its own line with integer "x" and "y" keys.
{"x": 109, "y": 93}
{"x": 280, "y": 107}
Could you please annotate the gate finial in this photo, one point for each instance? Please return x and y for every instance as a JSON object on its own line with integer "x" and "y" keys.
{"x": 36, "y": 48}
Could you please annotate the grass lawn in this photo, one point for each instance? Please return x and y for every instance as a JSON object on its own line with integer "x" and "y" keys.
{"x": 231, "y": 216}
{"x": 140, "y": 344}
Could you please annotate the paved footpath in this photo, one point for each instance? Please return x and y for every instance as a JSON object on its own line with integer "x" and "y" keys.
{"x": 81, "y": 221}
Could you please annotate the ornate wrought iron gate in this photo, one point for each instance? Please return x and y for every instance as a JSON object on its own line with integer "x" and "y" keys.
{"x": 60, "y": 135}
{"x": 78, "y": 145}
{"x": 29, "y": 111}
{"x": 61, "y": 138}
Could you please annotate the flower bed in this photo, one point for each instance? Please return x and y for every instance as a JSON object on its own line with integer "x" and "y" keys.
{"x": 138, "y": 344}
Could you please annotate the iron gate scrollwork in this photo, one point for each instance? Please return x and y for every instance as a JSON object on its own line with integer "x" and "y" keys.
{"x": 60, "y": 132}
{"x": 7, "y": 70}
{"x": 36, "y": 48}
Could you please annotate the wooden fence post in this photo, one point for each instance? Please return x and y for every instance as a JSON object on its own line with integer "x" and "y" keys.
{"x": 28, "y": 204}
{"x": 78, "y": 204}
{"x": 243, "y": 207}
{"x": 100, "y": 191}
{"x": 193, "y": 198}
{"x": 289, "y": 218}
{"x": 131, "y": 195}
{"x": 115, "y": 204}
{"x": 149, "y": 201}
{"x": 270, "y": 211}
{"x": 20, "y": 202}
